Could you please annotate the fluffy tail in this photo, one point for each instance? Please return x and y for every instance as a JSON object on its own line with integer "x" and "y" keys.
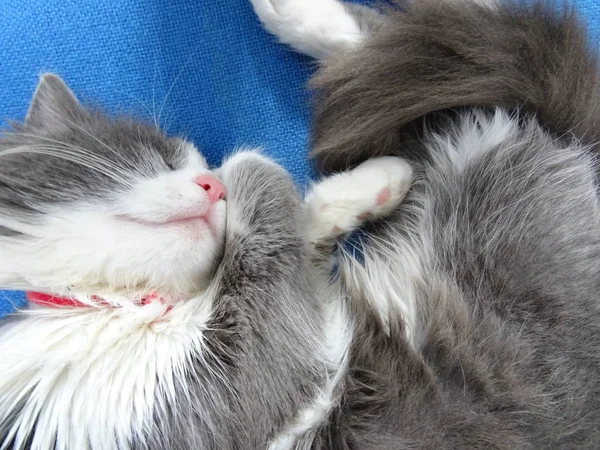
{"x": 383, "y": 73}
{"x": 444, "y": 55}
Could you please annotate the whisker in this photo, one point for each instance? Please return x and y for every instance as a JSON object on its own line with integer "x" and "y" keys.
{"x": 173, "y": 84}
{"x": 133, "y": 97}
{"x": 86, "y": 160}
{"x": 64, "y": 145}
{"x": 154, "y": 94}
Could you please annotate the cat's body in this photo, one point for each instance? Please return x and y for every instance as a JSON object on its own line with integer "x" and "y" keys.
{"x": 493, "y": 267}
{"x": 477, "y": 307}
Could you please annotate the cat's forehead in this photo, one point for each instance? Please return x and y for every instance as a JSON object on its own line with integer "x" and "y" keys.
{"x": 67, "y": 154}
{"x": 58, "y": 122}
{"x": 94, "y": 159}
{"x": 125, "y": 141}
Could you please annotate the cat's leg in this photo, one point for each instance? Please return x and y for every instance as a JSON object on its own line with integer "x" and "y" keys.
{"x": 341, "y": 203}
{"x": 318, "y": 28}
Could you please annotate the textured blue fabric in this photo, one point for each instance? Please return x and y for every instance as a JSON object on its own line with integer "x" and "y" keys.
{"x": 205, "y": 68}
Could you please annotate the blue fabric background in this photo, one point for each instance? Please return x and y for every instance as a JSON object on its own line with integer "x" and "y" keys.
{"x": 205, "y": 67}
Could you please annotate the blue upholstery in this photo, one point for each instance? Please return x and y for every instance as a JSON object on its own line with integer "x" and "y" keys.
{"x": 204, "y": 67}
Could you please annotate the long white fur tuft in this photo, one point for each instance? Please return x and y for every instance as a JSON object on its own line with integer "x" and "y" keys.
{"x": 92, "y": 377}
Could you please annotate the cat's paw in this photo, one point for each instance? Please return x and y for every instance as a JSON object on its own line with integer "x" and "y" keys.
{"x": 317, "y": 28}
{"x": 339, "y": 204}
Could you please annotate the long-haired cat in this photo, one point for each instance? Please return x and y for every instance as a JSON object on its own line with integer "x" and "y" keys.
{"x": 173, "y": 307}
{"x": 187, "y": 308}
{"x": 476, "y": 304}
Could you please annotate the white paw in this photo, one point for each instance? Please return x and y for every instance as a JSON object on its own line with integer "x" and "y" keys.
{"x": 317, "y": 28}
{"x": 340, "y": 204}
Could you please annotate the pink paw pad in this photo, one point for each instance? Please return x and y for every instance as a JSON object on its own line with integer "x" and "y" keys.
{"x": 383, "y": 196}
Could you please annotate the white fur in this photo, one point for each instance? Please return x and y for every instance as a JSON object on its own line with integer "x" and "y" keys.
{"x": 486, "y": 3}
{"x": 124, "y": 246}
{"x": 389, "y": 276}
{"x": 475, "y": 134}
{"x": 341, "y": 203}
{"x": 318, "y": 28}
{"x": 91, "y": 376}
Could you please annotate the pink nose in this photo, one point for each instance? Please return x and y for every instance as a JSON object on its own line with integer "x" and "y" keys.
{"x": 213, "y": 187}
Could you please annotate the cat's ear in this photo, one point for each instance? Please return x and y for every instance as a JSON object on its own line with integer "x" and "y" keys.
{"x": 53, "y": 105}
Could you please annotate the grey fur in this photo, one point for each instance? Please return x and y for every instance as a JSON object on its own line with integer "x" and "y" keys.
{"x": 509, "y": 329}
{"x": 508, "y": 343}
{"x": 434, "y": 57}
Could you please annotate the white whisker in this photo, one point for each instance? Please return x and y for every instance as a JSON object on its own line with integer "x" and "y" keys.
{"x": 85, "y": 159}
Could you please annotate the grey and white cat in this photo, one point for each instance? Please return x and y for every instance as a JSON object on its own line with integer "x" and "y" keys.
{"x": 175, "y": 307}
{"x": 476, "y": 310}
{"x": 470, "y": 320}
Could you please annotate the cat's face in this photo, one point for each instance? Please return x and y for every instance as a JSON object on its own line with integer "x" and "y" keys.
{"x": 98, "y": 204}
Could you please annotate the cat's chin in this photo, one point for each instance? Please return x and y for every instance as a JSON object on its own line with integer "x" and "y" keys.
{"x": 213, "y": 220}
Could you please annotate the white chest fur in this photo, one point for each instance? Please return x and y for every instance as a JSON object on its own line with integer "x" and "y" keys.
{"x": 91, "y": 377}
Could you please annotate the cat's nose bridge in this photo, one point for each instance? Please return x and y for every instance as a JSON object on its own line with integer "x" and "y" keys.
{"x": 214, "y": 188}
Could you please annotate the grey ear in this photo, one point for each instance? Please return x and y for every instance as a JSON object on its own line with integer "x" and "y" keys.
{"x": 53, "y": 104}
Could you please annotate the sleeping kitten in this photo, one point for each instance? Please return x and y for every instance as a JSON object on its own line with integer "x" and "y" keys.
{"x": 174, "y": 307}
{"x": 476, "y": 305}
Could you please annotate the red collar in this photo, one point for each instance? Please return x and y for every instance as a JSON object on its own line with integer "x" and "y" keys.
{"x": 56, "y": 301}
